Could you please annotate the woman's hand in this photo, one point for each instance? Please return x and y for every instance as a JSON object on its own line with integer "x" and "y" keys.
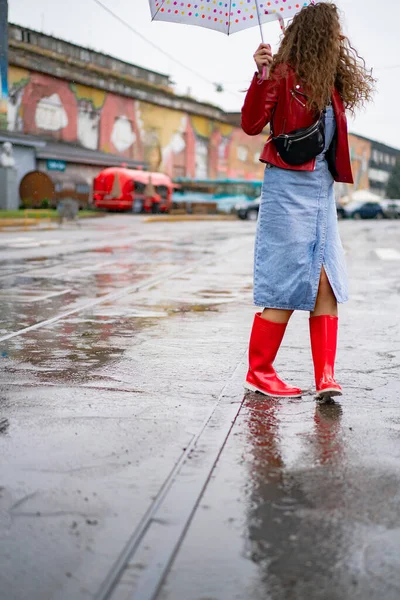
{"x": 263, "y": 58}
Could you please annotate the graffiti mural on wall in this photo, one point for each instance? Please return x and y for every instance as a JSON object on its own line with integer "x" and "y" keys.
{"x": 49, "y": 107}
{"x": 165, "y": 136}
{"x": 119, "y": 131}
{"x": 18, "y": 79}
{"x": 167, "y": 139}
{"x": 90, "y": 104}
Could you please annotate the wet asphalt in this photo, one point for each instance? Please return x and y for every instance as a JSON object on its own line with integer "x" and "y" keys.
{"x": 133, "y": 466}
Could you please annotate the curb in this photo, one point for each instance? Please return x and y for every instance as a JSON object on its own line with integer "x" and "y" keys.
{"x": 177, "y": 218}
{"x": 26, "y": 222}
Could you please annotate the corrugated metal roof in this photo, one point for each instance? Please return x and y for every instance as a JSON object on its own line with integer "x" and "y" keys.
{"x": 72, "y": 153}
{"x": 21, "y": 139}
{"x": 76, "y": 154}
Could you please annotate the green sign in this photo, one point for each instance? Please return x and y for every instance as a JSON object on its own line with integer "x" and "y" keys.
{"x": 56, "y": 165}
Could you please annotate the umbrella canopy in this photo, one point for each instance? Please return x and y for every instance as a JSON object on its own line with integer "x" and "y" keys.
{"x": 223, "y": 15}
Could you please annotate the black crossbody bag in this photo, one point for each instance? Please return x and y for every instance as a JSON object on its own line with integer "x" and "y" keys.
{"x": 301, "y": 145}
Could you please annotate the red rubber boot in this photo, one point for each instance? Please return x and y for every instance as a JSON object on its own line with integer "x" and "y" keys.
{"x": 265, "y": 339}
{"x": 323, "y": 335}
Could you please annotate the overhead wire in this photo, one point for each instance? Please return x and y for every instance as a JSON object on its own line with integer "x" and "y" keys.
{"x": 158, "y": 48}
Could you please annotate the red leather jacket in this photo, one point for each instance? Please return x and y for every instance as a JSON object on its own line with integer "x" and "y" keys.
{"x": 281, "y": 98}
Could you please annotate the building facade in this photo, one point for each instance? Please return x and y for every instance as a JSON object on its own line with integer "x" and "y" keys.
{"x": 90, "y": 110}
{"x": 383, "y": 159}
{"x": 372, "y": 164}
{"x": 74, "y": 96}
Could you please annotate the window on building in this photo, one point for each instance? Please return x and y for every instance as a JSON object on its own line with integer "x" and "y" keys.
{"x": 26, "y": 37}
{"x": 378, "y": 175}
{"x": 84, "y": 55}
{"x": 17, "y": 34}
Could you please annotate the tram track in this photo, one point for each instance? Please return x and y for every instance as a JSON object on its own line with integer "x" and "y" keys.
{"x": 155, "y": 542}
{"x": 112, "y": 296}
{"x": 164, "y": 525}
{"x": 151, "y": 543}
{"x": 177, "y": 493}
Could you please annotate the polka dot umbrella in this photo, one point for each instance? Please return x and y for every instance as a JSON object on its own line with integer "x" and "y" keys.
{"x": 223, "y": 15}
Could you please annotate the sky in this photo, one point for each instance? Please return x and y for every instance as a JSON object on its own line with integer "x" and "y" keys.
{"x": 211, "y": 57}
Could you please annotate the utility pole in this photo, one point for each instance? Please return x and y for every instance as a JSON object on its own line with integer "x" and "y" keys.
{"x": 9, "y": 199}
{"x": 3, "y": 63}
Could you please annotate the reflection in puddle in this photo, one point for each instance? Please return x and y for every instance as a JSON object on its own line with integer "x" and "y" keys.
{"x": 80, "y": 348}
{"x": 286, "y": 537}
{"x": 189, "y": 308}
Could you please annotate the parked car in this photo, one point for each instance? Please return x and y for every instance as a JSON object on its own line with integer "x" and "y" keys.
{"x": 341, "y": 213}
{"x": 391, "y": 208}
{"x": 248, "y": 210}
{"x": 364, "y": 210}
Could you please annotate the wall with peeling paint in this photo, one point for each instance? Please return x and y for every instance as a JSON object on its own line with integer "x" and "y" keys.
{"x": 170, "y": 140}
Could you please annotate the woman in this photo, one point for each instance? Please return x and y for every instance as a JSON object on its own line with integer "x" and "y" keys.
{"x": 299, "y": 259}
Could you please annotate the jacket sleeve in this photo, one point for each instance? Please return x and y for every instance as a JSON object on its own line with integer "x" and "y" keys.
{"x": 259, "y": 104}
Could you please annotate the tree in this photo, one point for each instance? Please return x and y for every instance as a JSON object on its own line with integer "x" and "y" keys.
{"x": 393, "y": 186}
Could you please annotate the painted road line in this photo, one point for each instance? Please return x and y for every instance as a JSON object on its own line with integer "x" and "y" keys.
{"x": 387, "y": 253}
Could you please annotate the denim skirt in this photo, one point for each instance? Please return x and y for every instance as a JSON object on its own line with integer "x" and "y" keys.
{"x": 297, "y": 235}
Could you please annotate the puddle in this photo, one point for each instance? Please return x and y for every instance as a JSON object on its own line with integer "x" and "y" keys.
{"x": 189, "y": 308}
{"x": 35, "y": 259}
{"x": 81, "y": 349}
{"x": 218, "y": 295}
{"x": 123, "y": 313}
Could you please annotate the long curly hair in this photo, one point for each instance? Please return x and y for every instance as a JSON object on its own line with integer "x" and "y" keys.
{"x": 323, "y": 58}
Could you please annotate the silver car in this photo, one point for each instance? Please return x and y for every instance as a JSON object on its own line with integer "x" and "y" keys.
{"x": 248, "y": 210}
{"x": 391, "y": 208}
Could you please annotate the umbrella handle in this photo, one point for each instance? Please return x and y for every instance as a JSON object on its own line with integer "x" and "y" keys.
{"x": 263, "y": 75}
{"x": 281, "y": 22}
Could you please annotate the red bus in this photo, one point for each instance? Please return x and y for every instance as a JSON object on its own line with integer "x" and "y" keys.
{"x": 121, "y": 189}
